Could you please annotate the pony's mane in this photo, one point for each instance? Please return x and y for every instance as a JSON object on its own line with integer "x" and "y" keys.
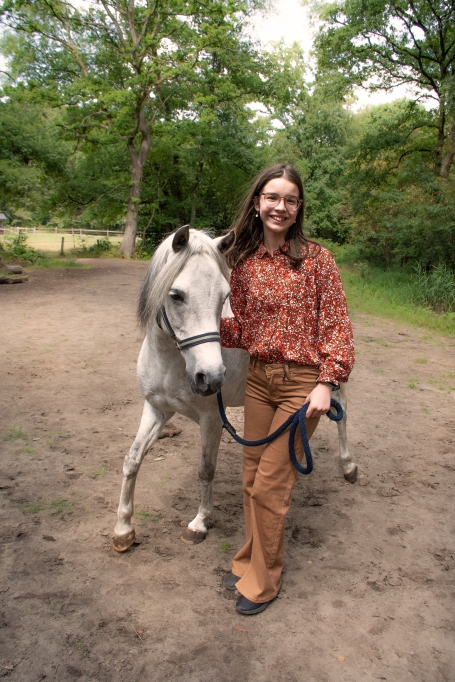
{"x": 166, "y": 265}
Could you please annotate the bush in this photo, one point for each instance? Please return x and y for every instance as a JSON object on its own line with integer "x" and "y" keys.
{"x": 102, "y": 245}
{"x": 144, "y": 249}
{"x": 434, "y": 289}
{"x": 15, "y": 247}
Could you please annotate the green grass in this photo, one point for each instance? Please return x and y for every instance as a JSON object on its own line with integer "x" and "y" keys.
{"x": 55, "y": 506}
{"x": 15, "y": 433}
{"x": 102, "y": 470}
{"x": 58, "y": 264}
{"x": 389, "y": 294}
{"x": 224, "y": 546}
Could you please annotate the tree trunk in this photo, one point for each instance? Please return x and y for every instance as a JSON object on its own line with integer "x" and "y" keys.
{"x": 195, "y": 193}
{"x": 440, "y": 145}
{"x": 450, "y": 154}
{"x": 138, "y": 159}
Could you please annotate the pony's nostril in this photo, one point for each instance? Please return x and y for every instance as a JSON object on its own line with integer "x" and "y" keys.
{"x": 201, "y": 379}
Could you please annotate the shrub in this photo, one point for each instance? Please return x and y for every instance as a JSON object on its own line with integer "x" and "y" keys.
{"x": 102, "y": 245}
{"x": 144, "y": 249}
{"x": 15, "y": 247}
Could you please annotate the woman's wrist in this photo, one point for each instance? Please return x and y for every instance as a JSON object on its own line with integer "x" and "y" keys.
{"x": 334, "y": 387}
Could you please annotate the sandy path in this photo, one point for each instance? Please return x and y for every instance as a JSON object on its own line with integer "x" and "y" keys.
{"x": 369, "y": 583}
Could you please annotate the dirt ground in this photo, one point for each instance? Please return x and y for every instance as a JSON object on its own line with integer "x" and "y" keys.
{"x": 369, "y": 580}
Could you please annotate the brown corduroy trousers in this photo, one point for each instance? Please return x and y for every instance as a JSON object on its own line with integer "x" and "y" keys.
{"x": 273, "y": 392}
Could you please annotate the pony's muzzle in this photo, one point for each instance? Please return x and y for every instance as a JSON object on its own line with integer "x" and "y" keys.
{"x": 207, "y": 383}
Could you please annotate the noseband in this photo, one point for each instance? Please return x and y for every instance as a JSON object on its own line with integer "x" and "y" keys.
{"x": 191, "y": 340}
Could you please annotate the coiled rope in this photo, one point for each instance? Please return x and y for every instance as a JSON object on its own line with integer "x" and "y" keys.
{"x": 296, "y": 420}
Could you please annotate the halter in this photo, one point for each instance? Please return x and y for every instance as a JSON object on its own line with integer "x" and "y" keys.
{"x": 191, "y": 341}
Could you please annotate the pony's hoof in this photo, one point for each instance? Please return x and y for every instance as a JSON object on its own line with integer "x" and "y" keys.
{"x": 351, "y": 477}
{"x": 192, "y": 537}
{"x": 123, "y": 542}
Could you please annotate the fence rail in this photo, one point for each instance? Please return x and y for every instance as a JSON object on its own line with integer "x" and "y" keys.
{"x": 62, "y": 230}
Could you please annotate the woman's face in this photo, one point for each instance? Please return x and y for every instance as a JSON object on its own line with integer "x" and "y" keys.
{"x": 277, "y": 207}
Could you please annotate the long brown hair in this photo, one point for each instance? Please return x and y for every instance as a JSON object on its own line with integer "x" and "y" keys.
{"x": 248, "y": 227}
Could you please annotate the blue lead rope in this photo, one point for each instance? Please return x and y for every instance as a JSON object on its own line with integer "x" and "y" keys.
{"x": 298, "y": 419}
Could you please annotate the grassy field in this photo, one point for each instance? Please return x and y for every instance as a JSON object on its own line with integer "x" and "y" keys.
{"x": 389, "y": 294}
{"x": 50, "y": 242}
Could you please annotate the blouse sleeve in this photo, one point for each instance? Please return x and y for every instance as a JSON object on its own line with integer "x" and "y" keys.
{"x": 231, "y": 327}
{"x": 335, "y": 337}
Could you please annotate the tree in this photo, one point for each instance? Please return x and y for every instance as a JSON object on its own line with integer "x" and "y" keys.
{"x": 384, "y": 43}
{"x": 399, "y": 211}
{"x": 314, "y": 136}
{"x": 123, "y": 66}
{"x": 30, "y": 152}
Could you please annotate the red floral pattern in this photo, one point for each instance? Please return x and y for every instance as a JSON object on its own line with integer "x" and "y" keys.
{"x": 291, "y": 315}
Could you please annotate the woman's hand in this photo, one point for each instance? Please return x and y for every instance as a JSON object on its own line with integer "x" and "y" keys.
{"x": 319, "y": 400}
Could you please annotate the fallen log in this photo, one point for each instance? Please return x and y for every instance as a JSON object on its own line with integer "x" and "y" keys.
{"x": 13, "y": 280}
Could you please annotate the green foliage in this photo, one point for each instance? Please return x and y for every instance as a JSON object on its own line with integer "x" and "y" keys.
{"x": 145, "y": 248}
{"x": 391, "y": 294}
{"x": 31, "y": 154}
{"x": 102, "y": 470}
{"x": 382, "y": 44}
{"x": 101, "y": 246}
{"x": 120, "y": 71}
{"x": 14, "y": 246}
{"x": 87, "y": 102}
{"x": 60, "y": 263}
{"x": 316, "y": 130}
{"x": 435, "y": 289}
{"x": 224, "y": 547}
{"x": 147, "y": 515}
{"x": 55, "y": 506}
{"x": 399, "y": 211}
{"x": 15, "y": 433}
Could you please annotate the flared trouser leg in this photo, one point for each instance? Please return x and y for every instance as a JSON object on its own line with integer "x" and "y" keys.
{"x": 268, "y": 474}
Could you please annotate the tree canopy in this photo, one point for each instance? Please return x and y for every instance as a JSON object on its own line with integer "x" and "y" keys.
{"x": 146, "y": 115}
{"x": 384, "y": 43}
{"x": 121, "y": 67}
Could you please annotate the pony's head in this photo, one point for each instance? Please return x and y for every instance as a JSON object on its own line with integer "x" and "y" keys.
{"x": 188, "y": 279}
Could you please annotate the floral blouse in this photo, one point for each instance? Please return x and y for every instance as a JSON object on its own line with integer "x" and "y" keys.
{"x": 284, "y": 314}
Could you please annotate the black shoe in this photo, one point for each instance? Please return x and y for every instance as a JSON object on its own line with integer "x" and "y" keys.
{"x": 248, "y": 608}
{"x": 230, "y": 581}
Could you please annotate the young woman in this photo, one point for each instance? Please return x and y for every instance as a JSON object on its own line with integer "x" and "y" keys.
{"x": 290, "y": 314}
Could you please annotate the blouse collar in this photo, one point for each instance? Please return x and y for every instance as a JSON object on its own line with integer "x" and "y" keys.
{"x": 262, "y": 251}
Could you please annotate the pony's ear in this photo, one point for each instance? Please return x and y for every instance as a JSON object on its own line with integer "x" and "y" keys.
{"x": 223, "y": 244}
{"x": 181, "y": 238}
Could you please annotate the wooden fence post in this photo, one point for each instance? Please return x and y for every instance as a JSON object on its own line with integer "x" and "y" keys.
{"x": 62, "y": 250}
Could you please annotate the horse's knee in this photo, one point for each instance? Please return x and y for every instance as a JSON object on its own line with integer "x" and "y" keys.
{"x": 131, "y": 466}
{"x": 206, "y": 471}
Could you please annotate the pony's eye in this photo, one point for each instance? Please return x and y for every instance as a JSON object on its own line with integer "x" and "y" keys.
{"x": 176, "y": 296}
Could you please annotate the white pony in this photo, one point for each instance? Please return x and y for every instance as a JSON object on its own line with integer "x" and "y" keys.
{"x": 181, "y": 365}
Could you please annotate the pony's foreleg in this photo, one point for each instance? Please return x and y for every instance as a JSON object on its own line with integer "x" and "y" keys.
{"x": 152, "y": 422}
{"x": 349, "y": 467}
{"x": 211, "y": 429}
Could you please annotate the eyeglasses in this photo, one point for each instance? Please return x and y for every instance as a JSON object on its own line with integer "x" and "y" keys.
{"x": 291, "y": 202}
